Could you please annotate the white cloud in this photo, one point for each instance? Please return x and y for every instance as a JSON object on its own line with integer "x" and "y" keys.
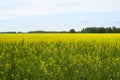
{"x": 51, "y": 1}
{"x": 43, "y": 7}
{"x": 1, "y": 3}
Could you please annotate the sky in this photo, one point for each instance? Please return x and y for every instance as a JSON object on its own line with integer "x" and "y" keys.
{"x": 58, "y": 15}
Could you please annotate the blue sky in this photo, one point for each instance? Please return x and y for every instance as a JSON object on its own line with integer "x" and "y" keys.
{"x": 60, "y": 15}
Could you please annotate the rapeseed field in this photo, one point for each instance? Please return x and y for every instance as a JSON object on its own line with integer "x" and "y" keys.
{"x": 59, "y": 56}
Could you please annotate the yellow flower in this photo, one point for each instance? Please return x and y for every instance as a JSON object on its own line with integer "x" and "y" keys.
{"x": 7, "y": 65}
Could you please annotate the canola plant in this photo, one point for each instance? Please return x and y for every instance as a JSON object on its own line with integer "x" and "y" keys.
{"x": 59, "y": 56}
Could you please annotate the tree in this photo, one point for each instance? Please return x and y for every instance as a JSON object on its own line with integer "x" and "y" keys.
{"x": 115, "y": 30}
{"x": 72, "y": 31}
{"x": 101, "y": 30}
{"x": 109, "y": 30}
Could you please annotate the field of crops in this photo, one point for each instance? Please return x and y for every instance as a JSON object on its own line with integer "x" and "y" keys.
{"x": 59, "y": 56}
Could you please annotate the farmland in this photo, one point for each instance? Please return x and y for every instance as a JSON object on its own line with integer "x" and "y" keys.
{"x": 60, "y": 56}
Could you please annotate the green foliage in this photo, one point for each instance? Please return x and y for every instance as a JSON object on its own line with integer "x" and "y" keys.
{"x": 8, "y": 32}
{"x": 101, "y": 30}
{"x": 84, "y": 30}
{"x": 47, "y": 32}
{"x": 72, "y": 31}
{"x": 60, "y": 60}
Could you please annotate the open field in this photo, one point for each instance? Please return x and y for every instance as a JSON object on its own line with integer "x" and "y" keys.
{"x": 60, "y": 56}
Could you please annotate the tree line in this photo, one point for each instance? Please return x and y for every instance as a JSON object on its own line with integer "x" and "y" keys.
{"x": 84, "y": 30}
{"x": 101, "y": 30}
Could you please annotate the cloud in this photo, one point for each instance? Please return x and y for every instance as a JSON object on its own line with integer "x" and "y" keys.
{"x": 86, "y": 21}
{"x": 52, "y": 1}
{"x": 118, "y": 22}
{"x": 23, "y": 8}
